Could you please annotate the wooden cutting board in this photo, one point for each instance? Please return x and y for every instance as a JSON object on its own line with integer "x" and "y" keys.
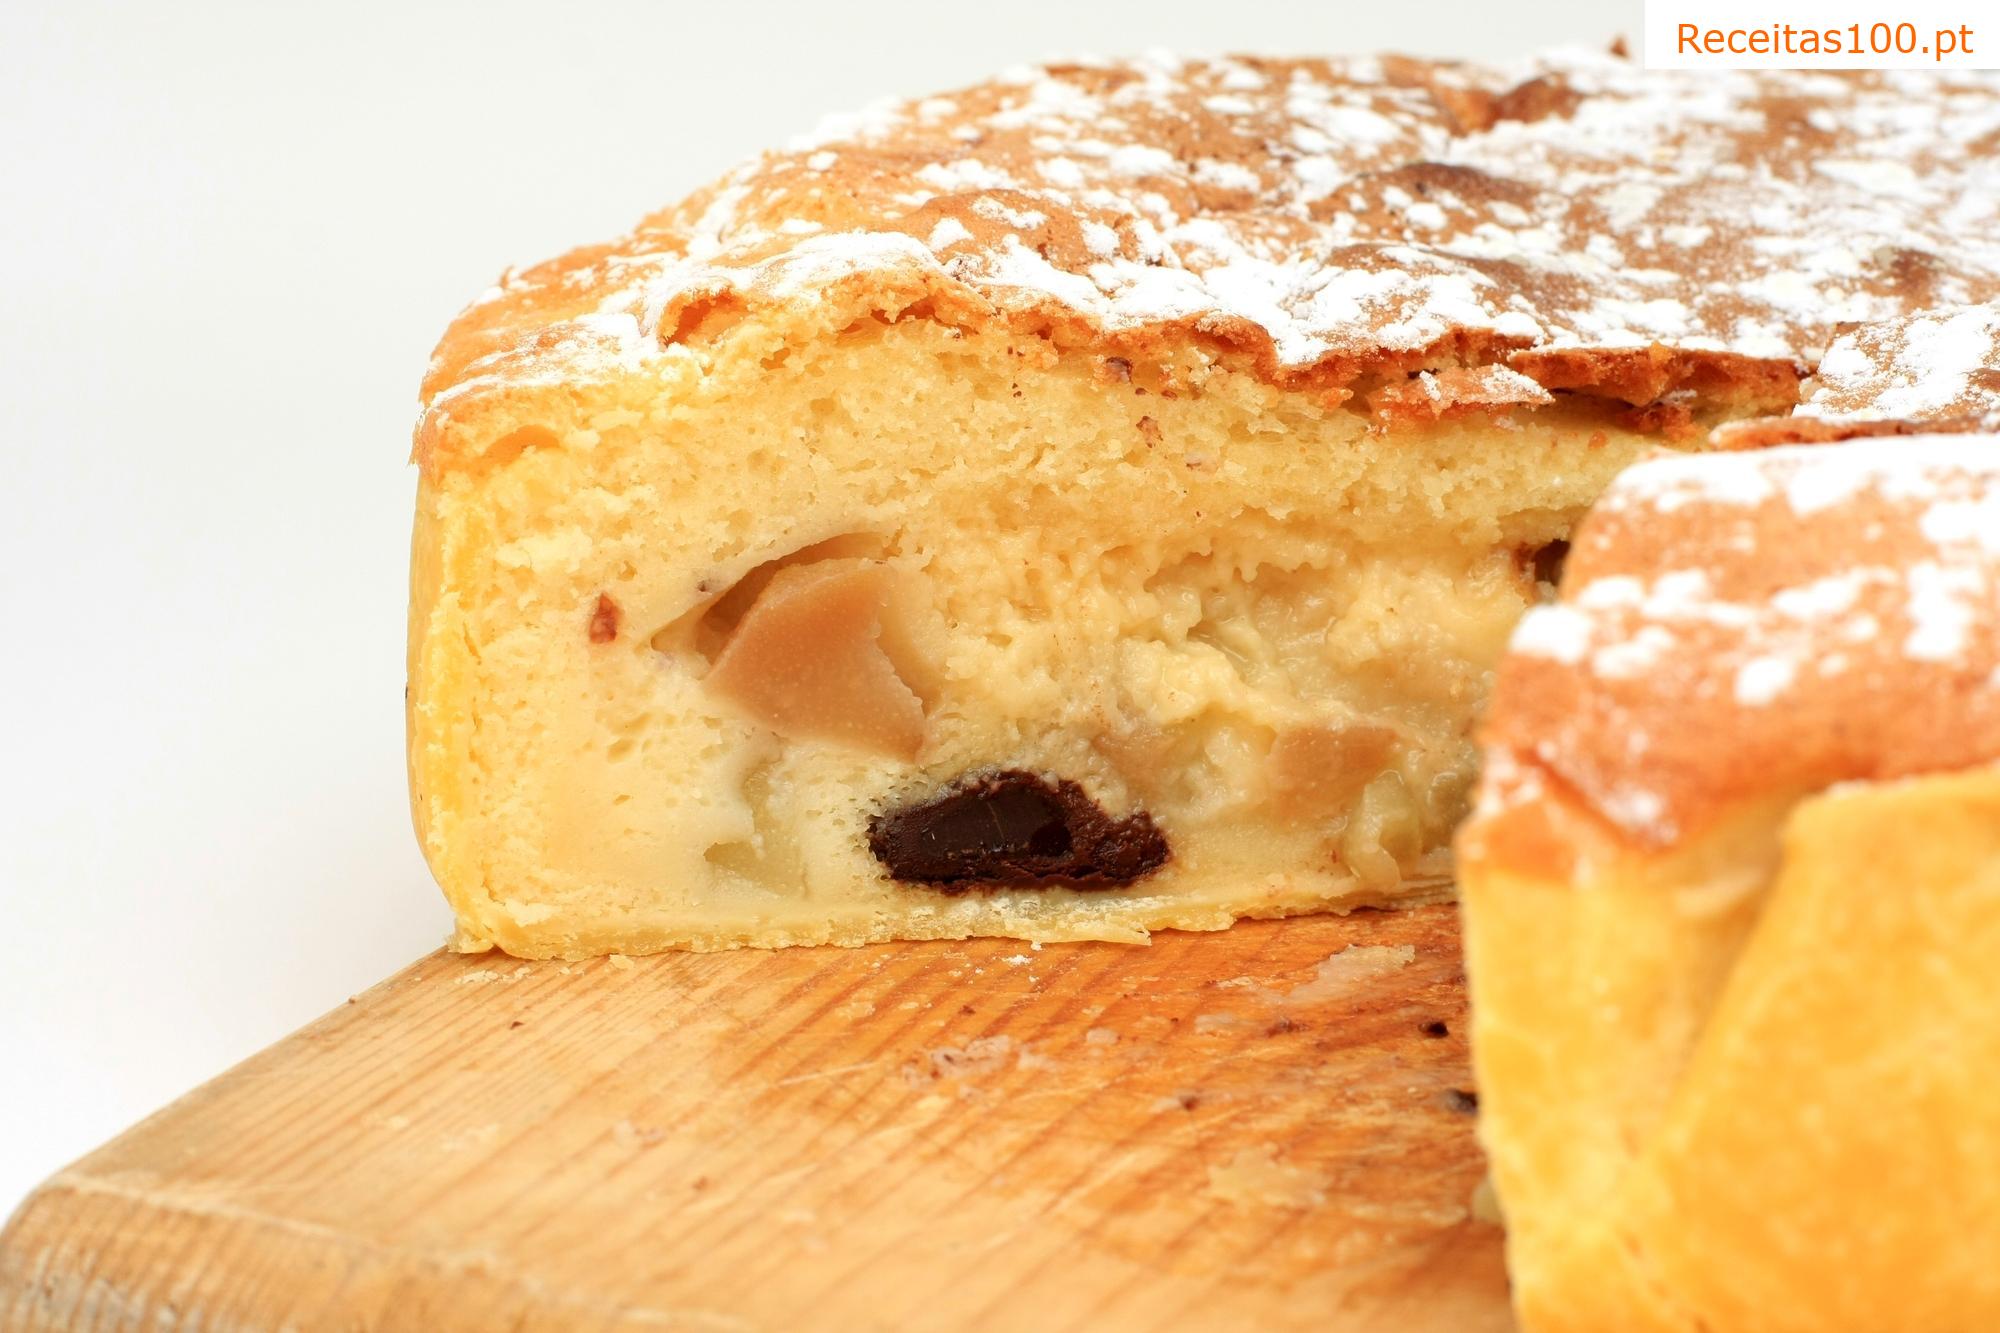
{"x": 1265, "y": 1128}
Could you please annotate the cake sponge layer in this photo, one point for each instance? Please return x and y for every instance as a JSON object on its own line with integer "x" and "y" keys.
{"x": 690, "y": 644}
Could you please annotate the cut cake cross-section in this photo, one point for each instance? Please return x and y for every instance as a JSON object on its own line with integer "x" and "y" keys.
{"x": 1094, "y": 501}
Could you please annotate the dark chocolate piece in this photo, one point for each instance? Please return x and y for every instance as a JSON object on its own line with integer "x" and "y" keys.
{"x": 1013, "y": 829}
{"x": 1547, "y": 560}
{"x": 1462, "y": 1100}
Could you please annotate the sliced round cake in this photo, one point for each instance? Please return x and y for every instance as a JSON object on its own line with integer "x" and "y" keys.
{"x": 1095, "y": 501}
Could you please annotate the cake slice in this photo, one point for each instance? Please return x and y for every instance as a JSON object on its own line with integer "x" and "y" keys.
{"x": 1094, "y": 501}
{"x": 1732, "y": 895}
{"x": 1733, "y": 879}
{"x": 1732, "y": 886}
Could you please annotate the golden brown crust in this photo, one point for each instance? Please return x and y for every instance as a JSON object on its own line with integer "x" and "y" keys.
{"x": 1428, "y": 396}
{"x": 1935, "y": 372}
{"x": 1936, "y": 365}
{"x": 1315, "y": 222}
{"x": 1829, "y": 610}
{"x": 1763, "y": 432}
{"x": 1701, "y": 1074}
{"x": 1757, "y": 625}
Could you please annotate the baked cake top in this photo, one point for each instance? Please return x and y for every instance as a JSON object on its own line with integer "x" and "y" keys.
{"x": 1933, "y": 372}
{"x": 1744, "y": 624}
{"x": 1941, "y": 365}
{"x": 1591, "y": 224}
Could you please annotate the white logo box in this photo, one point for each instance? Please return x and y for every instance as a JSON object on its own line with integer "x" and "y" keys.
{"x": 1954, "y": 35}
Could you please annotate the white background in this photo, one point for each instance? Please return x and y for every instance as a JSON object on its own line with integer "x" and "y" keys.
{"x": 228, "y": 237}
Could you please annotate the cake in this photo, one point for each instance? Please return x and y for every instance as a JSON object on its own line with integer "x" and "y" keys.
{"x": 1094, "y": 501}
{"x": 1930, "y": 372}
{"x": 1936, "y": 367}
{"x": 1731, "y": 890}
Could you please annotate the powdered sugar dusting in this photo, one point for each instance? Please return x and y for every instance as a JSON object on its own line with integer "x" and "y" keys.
{"x": 1733, "y": 624}
{"x": 1558, "y": 633}
{"x": 1761, "y": 680}
{"x": 1940, "y": 364}
{"x": 1337, "y": 217}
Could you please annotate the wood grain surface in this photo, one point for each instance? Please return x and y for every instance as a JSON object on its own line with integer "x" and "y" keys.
{"x": 1264, "y": 1128}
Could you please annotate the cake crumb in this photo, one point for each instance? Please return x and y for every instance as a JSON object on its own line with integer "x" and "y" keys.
{"x": 630, "y": 1136}
{"x": 981, "y": 1055}
{"x": 1348, "y": 967}
{"x": 474, "y": 1137}
{"x": 1029, "y": 1058}
{"x": 1485, "y": 1203}
{"x": 1256, "y": 1177}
